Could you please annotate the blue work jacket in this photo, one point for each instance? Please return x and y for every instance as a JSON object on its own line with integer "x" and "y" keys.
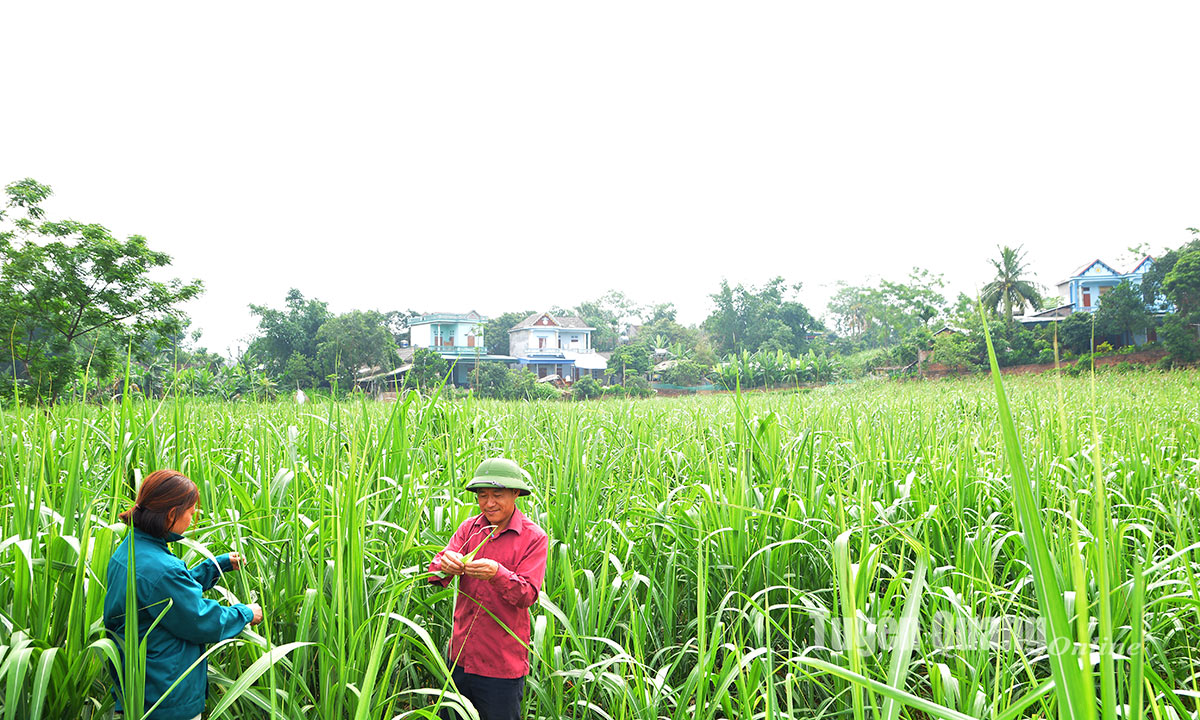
{"x": 180, "y": 637}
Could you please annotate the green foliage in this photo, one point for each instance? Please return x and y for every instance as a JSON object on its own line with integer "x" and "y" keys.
{"x": 1179, "y": 336}
{"x": 1122, "y": 312}
{"x": 288, "y": 332}
{"x": 684, "y": 373}
{"x": 638, "y": 386}
{"x": 954, "y": 350}
{"x": 1153, "y": 280}
{"x": 354, "y": 341}
{"x": 774, "y": 369}
{"x": 298, "y": 373}
{"x": 586, "y": 388}
{"x": 1075, "y": 332}
{"x": 766, "y": 318}
{"x": 631, "y": 359}
{"x": 685, "y": 342}
{"x": 493, "y": 380}
{"x": 428, "y": 370}
{"x": 1010, "y": 290}
{"x": 607, "y": 314}
{"x": 495, "y": 331}
{"x": 701, "y": 548}
{"x": 72, "y": 293}
{"x": 883, "y": 316}
{"x": 527, "y": 387}
{"x": 1182, "y": 286}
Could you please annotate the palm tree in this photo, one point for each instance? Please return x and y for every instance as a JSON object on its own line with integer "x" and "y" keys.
{"x": 1009, "y": 288}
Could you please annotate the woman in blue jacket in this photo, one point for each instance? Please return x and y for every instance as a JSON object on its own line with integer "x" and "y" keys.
{"x": 165, "y": 504}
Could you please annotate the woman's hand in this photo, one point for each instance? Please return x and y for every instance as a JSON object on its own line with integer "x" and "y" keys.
{"x": 236, "y": 560}
{"x": 258, "y": 614}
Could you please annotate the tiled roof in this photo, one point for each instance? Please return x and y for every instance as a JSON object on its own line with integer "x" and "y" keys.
{"x": 563, "y": 321}
{"x": 1086, "y": 266}
{"x": 1133, "y": 268}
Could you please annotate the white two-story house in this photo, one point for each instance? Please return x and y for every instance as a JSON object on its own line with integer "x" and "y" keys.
{"x": 457, "y": 337}
{"x": 555, "y": 345}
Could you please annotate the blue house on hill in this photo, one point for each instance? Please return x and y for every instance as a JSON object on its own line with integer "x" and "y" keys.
{"x": 1088, "y": 284}
{"x": 1082, "y": 290}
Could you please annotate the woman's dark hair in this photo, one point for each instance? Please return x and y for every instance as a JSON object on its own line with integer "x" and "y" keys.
{"x": 163, "y": 496}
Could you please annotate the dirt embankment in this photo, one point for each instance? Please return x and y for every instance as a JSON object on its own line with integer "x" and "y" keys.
{"x": 1142, "y": 357}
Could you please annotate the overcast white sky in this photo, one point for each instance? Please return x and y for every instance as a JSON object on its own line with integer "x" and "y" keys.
{"x": 509, "y": 156}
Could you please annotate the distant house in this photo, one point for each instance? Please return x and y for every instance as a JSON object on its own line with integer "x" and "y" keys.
{"x": 1089, "y": 283}
{"x": 1081, "y": 292}
{"x": 555, "y": 345}
{"x": 457, "y": 337}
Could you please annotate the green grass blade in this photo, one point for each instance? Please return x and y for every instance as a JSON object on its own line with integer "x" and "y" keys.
{"x": 1076, "y": 700}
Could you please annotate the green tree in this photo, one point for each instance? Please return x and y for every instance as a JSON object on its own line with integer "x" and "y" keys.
{"x": 495, "y": 331}
{"x": 629, "y": 360}
{"x": 1123, "y": 312}
{"x": 1152, "y": 280}
{"x": 663, "y": 331}
{"x": 1010, "y": 289}
{"x": 883, "y": 316}
{"x": 287, "y": 332}
{"x": 428, "y": 369}
{"x": 72, "y": 293}
{"x": 298, "y": 373}
{"x": 608, "y": 314}
{"x": 852, "y": 309}
{"x": 1180, "y": 339}
{"x": 766, "y": 318}
{"x": 1076, "y": 332}
{"x": 1182, "y": 286}
{"x": 352, "y": 342}
{"x": 684, "y": 373}
{"x": 586, "y": 388}
{"x": 494, "y": 380}
{"x": 953, "y": 350}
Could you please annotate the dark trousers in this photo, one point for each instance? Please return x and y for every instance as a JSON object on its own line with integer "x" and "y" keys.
{"x": 494, "y": 698}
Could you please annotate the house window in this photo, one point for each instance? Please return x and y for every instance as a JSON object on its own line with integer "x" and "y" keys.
{"x": 541, "y": 342}
{"x": 1087, "y": 297}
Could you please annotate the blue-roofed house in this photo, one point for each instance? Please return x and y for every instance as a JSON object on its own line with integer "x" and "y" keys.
{"x": 555, "y": 345}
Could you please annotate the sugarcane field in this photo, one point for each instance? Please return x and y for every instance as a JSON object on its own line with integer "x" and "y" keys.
{"x": 621, "y": 361}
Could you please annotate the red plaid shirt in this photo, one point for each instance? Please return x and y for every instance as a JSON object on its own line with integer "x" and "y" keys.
{"x": 479, "y": 644}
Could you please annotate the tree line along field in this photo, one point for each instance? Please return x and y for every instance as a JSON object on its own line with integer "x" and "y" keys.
{"x": 705, "y": 552}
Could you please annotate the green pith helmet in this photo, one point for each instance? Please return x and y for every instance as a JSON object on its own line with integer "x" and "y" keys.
{"x": 500, "y": 473}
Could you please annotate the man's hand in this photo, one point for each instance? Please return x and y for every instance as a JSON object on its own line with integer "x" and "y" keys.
{"x": 236, "y": 561}
{"x": 257, "y": 610}
{"x": 452, "y": 563}
{"x": 482, "y": 569}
